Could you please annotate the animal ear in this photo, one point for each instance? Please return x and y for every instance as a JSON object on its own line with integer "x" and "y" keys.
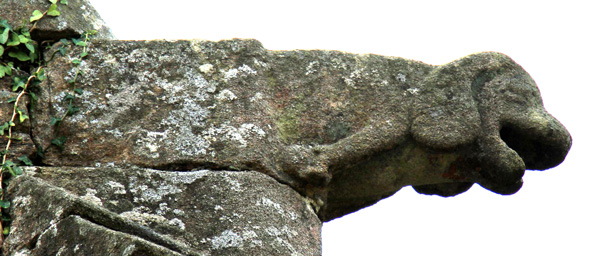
{"x": 445, "y": 114}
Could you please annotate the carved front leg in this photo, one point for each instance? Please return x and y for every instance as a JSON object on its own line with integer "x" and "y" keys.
{"x": 372, "y": 139}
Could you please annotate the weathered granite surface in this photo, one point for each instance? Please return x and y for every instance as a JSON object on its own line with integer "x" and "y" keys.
{"x": 135, "y": 211}
{"x": 346, "y": 130}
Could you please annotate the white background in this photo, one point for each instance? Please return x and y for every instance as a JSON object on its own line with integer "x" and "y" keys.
{"x": 560, "y": 43}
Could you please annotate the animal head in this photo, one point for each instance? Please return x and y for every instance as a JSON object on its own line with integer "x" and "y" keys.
{"x": 488, "y": 104}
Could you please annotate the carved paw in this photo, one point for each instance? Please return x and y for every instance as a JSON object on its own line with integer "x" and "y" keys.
{"x": 307, "y": 166}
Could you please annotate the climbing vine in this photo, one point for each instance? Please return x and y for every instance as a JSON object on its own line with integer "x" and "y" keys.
{"x": 69, "y": 98}
{"x": 19, "y": 55}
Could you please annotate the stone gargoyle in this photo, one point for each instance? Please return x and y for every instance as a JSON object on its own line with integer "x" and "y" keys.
{"x": 344, "y": 130}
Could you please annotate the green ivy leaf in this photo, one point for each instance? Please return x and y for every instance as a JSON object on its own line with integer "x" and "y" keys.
{"x": 83, "y": 54}
{"x": 71, "y": 110}
{"x": 6, "y": 69}
{"x": 4, "y": 36}
{"x": 10, "y": 167}
{"x": 69, "y": 96}
{"x": 34, "y": 97}
{"x": 40, "y": 74}
{"x": 40, "y": 152}
{"x": 36, "y": 15}
{"x": 6, "y": 230}
{"x": 22, "y": 115}
{"x": 59, "y": 142}
{"x": 81, "y": 43}
{"x": 52, "y": 10}
{"x": 16, "y": 170}
{"x": 62, "y": 50}
{"x": 54, "y": 121}
{"x": 78, "y": 91}
{"x": 11, "y": 100}
{"x": 53, "y": 1}
{"x": 3, "y": 128}
{"x": 32, "y": 56}
{"x": 25, "y": 32}
{"x": 30, "y": 47}
{"x": 15, "y": 138}
{"x": 1, "y": 50}
{"x": 4, "y": 23}
{"x": 64, "y": 2}
{"x": 23, "y": 39}
{"x": 21, "y": 56}
{"x": 18, "y": 82}
{"x": 76, "y": 62}
{"x": 14, "y": 40}
{"x": 25, "y": 160}
{"x": 5, "y": 204}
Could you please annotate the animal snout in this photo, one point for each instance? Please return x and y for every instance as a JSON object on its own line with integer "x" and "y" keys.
{"x": 533, "y": 141}
{"x": 541, "y": 141}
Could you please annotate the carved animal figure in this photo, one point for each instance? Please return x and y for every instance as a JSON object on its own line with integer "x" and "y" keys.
{"x": 479, "y": 119}
{"x": 344, "y": 130}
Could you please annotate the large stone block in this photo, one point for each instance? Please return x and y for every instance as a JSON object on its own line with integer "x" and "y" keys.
{"x": 134, "y": 211}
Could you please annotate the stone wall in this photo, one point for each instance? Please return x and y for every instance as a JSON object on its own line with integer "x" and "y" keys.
{"x": 137, "y": 211}
{"x": 225, "y": 148}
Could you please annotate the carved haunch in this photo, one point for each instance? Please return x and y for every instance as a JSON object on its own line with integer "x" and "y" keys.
{"x": 344, "y": 130}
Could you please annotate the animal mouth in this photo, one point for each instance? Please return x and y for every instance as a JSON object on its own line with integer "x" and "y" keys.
{"x": 540, "y": 151}
{"x": 523, "y": 146}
